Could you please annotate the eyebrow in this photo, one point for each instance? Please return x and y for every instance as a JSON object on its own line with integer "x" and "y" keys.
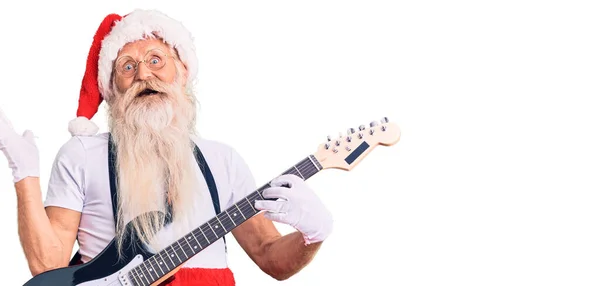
{"x": 146, "y": 51}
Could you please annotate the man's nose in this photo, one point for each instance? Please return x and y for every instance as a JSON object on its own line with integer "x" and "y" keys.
{"x": 143, "y": 72}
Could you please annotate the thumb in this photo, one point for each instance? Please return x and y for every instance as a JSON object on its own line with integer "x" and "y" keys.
{"x": 28, "y": 135}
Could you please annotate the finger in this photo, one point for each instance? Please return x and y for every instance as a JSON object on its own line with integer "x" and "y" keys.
{"x": 278, "y": 217}
{"x": 287, "y": 179}
{"x": 276, "y": 193}
{"x": 271, "y": 206}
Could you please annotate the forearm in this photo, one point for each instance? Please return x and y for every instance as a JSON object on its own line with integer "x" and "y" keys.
{"x": 42, "y": 247}
{"x": 287, "y": 255}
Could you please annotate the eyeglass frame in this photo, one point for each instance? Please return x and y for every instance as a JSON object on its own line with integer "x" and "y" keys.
{"x": 137, "y": 63}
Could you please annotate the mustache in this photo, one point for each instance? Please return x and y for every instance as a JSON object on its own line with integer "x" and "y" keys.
{"x": 150, "y": 86}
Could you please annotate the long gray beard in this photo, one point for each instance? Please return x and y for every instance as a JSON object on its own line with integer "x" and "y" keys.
{"x": 155, "y": 162}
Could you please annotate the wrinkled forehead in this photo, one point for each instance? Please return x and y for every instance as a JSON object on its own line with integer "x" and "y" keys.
{"x": 137, "y": 49}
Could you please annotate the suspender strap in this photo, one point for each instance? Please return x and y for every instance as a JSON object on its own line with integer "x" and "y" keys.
{"x": 210, "y": 181}
{"x": 112, "y": 176}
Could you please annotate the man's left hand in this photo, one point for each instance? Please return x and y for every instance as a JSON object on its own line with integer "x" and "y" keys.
{"x": 297, "y": 206}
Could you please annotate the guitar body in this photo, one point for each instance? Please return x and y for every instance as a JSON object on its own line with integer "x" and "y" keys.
{"x": 105, "y": 269}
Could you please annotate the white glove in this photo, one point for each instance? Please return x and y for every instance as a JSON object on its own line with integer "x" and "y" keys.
{"x": 298, "y": 206}
{"x": 20, "y": 150}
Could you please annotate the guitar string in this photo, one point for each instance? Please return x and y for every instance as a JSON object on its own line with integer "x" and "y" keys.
{"x": 303, "y": 168}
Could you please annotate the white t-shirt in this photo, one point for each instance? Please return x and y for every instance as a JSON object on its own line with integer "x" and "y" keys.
{"x": 79, "y": 180}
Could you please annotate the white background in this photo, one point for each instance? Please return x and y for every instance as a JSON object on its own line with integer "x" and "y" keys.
{"x": 495, "y": 178}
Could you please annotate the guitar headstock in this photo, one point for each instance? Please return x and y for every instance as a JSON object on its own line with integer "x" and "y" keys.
{"x": 346, "y": 151}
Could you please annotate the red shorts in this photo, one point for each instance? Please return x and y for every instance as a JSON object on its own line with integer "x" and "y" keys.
{"x": 201, "y": 276}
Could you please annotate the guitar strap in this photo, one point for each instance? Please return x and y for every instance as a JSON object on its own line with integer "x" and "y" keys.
{"x": 210, "y": 182}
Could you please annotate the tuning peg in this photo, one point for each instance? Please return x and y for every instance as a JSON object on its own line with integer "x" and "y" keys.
{"x": 327, "y": 146}
{"x": 384, "y": 120}
{"x": 349, "y": 138}
{"x": 383, "y": 128}
{"x": 350, "y": 131}
{"x": 360, "y": 135}
{"x": 362, "y": 127}
{"x": 337, "y": 142}
{"x": 328, "y": 138}
{"x": 374, "y": 123}
{"x": 348, "y": 148}
{"x": 371, "y": 131}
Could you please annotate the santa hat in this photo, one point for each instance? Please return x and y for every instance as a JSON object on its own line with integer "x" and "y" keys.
{"x": 113, "y": 33}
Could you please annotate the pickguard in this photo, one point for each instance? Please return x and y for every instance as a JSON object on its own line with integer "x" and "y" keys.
{"x": 118, "y": 278}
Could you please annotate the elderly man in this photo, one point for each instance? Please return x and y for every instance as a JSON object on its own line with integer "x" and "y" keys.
{"x": 143, "y": 65}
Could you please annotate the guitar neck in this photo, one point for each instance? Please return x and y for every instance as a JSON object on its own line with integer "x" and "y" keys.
{"x": 200, "y": 238}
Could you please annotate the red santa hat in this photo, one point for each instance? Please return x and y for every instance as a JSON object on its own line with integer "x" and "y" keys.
{"x": 113, "y": 33}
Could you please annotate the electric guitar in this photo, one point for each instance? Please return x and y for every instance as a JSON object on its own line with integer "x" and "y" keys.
{"x": 138, "y": 267}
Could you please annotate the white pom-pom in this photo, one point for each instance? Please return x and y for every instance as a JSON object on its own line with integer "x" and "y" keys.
{"x": 82, "y": 126}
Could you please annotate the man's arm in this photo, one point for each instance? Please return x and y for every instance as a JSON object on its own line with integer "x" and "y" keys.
{"x": 47, "y": 236}
{"x": 278, "y": 256}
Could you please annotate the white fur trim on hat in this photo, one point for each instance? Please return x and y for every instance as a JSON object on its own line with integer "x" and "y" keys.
{"x": 135, "y": 26}
{"x": 82, "y": 126}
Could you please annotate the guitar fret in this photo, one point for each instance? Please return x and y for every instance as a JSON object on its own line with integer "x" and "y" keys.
{"x": 144, "y": 276}
{"x": 206, "y": 238}
{"x": 164, "y": 262}
{"x": 150, "y": 270}
{"x": 254, "y": 197}
{"x": 299, "y": 173}
{"x": 314, "y": 162}
{"x": 209, "y": 234}
{"x": 169, "y": 256}
{"x": 181, "y": 248}
{"x": 202, "y": 240}
{"x": 227, "y": 223}
{"x": 135, "y": 277}
{"x": 255, "y": 211}
{"x": 213, "y": 230}
{"x": 240, "y": 210}
{"x": 191, "y": 248}
{"x": 153, "y": 270}
{"x": 238, "y": 219}
{"x": 260, "y": 195}
{"x": 218, "y": 229}
{"x": 220, "y": 222}
{"x": 198, "y": 243}
{"x": 158, "y": 264}
{"x": 175, "y": 252}
{"x": 230, "y": 218}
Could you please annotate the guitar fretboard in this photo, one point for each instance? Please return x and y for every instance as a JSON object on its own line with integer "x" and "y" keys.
{"x": 214, "y": 229}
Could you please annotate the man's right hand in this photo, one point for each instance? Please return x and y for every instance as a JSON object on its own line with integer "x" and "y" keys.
{"x": 20, "y": 150}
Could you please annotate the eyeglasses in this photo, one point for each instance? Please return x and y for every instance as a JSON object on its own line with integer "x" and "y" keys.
{"x": 154, "y": 59}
